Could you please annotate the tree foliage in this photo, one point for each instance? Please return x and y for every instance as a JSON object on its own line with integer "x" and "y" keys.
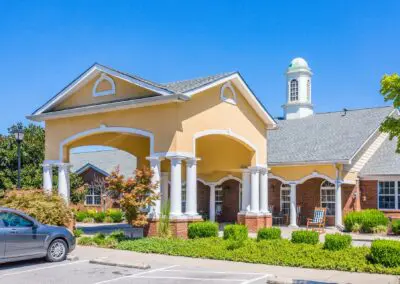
{"x": 390, "y": 90}
{"x": 137, "y": 194}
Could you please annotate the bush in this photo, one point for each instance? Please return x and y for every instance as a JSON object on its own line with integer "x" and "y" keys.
{"x": 80, "y": 216}
{"x": 386, "y": 252}
{"x": 108, "y": 219}
{"x": 99, "y": 217}
{"x": 236, "y": 236}
{"x": 379, "y": 229}
{"x": 337, "y": 241}
{"x": 269, "y": 234}
{"x": 115, "y": 214}
{"x": 86, "y": 241}
{"x": 49, "y": 209}
{"x": 88, "y": 220}
{"x": 396, "y": 227}
{"x": 203, "y": 230}
{"x": 368, "y": 219}
{"x": 305, "y": 237}
{"x": 118, "y": 235}
{"x": 78, "y": 233}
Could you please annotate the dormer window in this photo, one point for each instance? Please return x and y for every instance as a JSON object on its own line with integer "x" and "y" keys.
{"x": 294, "y": 90}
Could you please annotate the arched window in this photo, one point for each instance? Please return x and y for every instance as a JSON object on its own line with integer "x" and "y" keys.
{"x": 328, "y": 197}
{"x": 285, "y": 198}
{"x": 294, "y": 90}
{"x": 308, "y": 91}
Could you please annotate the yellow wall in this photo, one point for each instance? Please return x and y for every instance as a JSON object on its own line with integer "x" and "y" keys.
{"x": 296, "y": 172}
{"x": 123, "y": 89}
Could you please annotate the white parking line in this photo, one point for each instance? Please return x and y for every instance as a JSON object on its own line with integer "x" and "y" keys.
{"x": 189, "y": 278}
{"x": 256, "y": 279}
{"x": 216, "y": 272}
{"x": 135, "y": 275}
{"x": 41, "y": 268}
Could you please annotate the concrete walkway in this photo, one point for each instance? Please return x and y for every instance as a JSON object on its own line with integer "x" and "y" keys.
{"x": 275, "y": 273}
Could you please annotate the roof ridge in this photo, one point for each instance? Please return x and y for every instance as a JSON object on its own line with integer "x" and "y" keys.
{"x": 355, "y": 109}
{"x": 198, "y": 78}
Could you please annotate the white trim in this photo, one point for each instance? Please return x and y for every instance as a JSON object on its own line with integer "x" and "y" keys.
{"x": 303, "y": 179}
{"x": 226, "y": 178}
{"x": 281, "y": 179}
{"x": 107, "y": 130}
{"x": 103, "y": 77}
{"x": 168, "y": 155}
{"x": 222, "y": 93}
{"x": 321, "y": 188}
{"x": 88, "y": 166}
{"x": 226, "y": 132}
{"x": 88, "y": 75}
{"x": 287, "y": 187}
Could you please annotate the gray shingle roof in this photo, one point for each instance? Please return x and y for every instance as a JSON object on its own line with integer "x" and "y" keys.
{"x": 106, "y": 160}
{"x": 188, "y": 85}
{"x": 385, "y": 161}
{"x": 324, "y": 136}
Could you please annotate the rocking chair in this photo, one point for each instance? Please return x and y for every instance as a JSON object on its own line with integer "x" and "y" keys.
{"x": 318, "y": 221}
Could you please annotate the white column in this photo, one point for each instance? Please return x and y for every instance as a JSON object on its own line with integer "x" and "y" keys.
{"x": 176, "y": 186}
{"x": 338, "y": 205}
{"x": 63, "y": 181}
{"x": 293, "y": 214}
{"x": 246, "y": 194}
{"x": 155, "y": 166}
{"x": 191, "y": 187}
{"x": 164, "y": 187}
{"x": 47, "y": 178}
{"x": 212, "y": 201}
{"x": 255, "y": 190}
{"x": 264, "y": 191}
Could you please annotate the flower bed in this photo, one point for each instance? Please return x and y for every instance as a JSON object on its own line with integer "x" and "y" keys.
{"x": 93, "y": 216}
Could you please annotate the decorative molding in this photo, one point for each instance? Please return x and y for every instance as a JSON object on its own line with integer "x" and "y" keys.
{"x": 103, "y": 77}
{"x": 228, "y": 85}
{"x": 107, "y": 130}
{"x": 303, "y": 179}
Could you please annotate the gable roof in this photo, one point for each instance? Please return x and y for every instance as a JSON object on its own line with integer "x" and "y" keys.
{"x": 324, "y": 137}
{"x": 173, "y": 91}
{"x": 91, "y": 166}
{"x": 385, "y": 160}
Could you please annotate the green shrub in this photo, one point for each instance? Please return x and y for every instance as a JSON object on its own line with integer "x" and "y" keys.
{"x": 396, "y": 227}
{"x": 88, "y": 220}
{"x": 118, "y": 235}
{"x": 379, "y": 229}
{"x": 108, "y": 219}
{"x": 203, "y": 230}
{"x": 337, "y": 241}
{"x": 80, "y": 216}
{"x": 86, "y": 241}
{"x": 368, "y": 219}
{"x": 386, "y": 252}
{"x": 49, "y": 209}
{"x": 356, "y": 228}
{"x": 115, "y": 214}
{"x": 91, "y": 213}
{"x": 99, "y": 217}
{"x": 269, "y": 234}
{"x": 78, "y": 233}
{"x": 236, "y": 232}
{"x": 305, "y": 237}
{"x": 164, "y": 228}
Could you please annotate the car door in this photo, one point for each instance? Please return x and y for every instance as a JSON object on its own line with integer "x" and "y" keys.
{"x": 21, "y": 236}
{"x": 2, "y": 240}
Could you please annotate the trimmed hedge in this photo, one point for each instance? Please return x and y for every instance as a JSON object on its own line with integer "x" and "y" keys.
{"x": 396, "y": 227}
{"x": 202, "y": 230}
{"x": 367, "y": 220}
{"x": 110, "y": 216}
{"x": 236, "y": 232}
{"x": 337, "y": 241}
{"x": 273, "y": 233}
{"x": 386, "y": 252}
{"x": 305, "y": 237}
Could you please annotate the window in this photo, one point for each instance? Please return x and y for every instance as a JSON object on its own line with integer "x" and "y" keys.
{"x": 389, "y": 195}
{"x": 285, "y": 199}
{"x": 328, "y": 197}
{"x": 294, "y": 90}
{"x": 308, "y": 91}
{"x": 93, "y": 196}
{"x": 14, "y": 220}
{"x": 219, "y": 196}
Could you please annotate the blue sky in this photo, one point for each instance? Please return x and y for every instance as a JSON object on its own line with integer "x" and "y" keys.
{"x": 348, "y": 44}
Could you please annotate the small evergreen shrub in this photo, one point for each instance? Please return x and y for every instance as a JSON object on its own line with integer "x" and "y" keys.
{"x": 305, "y": 237}
{"x": 80, "y": 216}
{"x": 78, "y": 233}
{"x": 99, "y": 217}
{"x": 396, "y": 227}
{"x": 386, "y": 252}
{"x": 203, "y": 230}
{"x": 108, "y": 219}
{"x": 88, "y": 220}
{"x": 236, "y": 232}
{"x": 269, "y": 234}
{"x": 118, "y": 235}
{"x": 379, "y": 229}
{"x": 368, "y": 219}
{"x": 86, "y": 241}
{"x": 115, "y": 214}
{"x": 337, "y": 241}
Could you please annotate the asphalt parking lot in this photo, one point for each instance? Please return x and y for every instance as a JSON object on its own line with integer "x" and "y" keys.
{"x": 81, "y": 271}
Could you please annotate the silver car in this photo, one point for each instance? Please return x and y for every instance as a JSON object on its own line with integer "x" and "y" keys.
{"x": 22, "y": 237}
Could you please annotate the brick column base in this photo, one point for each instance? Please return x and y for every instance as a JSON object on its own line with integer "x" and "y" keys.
{"x": 178, "y": 226}
{"x": 254, "y": 222}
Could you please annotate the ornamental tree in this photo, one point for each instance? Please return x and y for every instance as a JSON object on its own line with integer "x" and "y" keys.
{"x": 136, "y": 194}
{"x": 390, "y": 90}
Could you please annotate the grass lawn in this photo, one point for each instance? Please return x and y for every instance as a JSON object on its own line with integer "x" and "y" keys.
{"x": 273, "y": 252}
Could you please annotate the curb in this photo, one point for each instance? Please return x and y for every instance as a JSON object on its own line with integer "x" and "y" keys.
{"x": 279, "y": 280}
{"x": 119, "y": 264}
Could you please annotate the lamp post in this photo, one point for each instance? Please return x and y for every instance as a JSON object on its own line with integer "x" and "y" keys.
{"x": 19, "y": 136}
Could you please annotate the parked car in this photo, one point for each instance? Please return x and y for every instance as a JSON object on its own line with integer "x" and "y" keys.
{"x": 22, "y": 237}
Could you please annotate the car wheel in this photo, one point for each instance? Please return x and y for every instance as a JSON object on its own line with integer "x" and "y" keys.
{"x": 57, "y": 251}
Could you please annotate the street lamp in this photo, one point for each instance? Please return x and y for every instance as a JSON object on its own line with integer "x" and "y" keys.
{"x": 19, "y": 136}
